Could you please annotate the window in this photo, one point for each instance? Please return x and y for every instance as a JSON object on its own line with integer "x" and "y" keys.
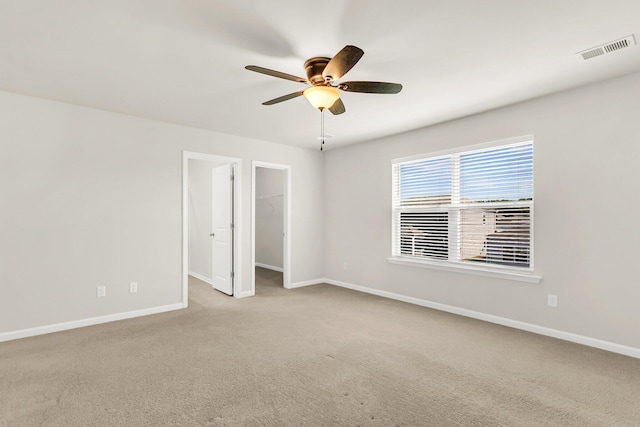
{"x": 468, "y": 208}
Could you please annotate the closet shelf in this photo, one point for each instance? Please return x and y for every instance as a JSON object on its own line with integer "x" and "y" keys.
{"x": 270, "y": 196}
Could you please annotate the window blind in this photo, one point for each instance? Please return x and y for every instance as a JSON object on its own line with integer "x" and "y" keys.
{"x": 472, "y": 207}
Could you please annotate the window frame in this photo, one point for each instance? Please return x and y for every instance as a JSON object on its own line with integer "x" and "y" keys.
{"x": 525, "y": 274}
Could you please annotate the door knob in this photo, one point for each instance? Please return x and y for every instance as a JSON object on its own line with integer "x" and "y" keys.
{"x": 212, "y": 234}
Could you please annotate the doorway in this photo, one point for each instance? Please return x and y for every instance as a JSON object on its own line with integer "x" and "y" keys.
{"x": 270, "y": 220}
{"x": 210, "y": 212}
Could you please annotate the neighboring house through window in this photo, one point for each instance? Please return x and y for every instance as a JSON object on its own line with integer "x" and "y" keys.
{"x": 471, "y": 207}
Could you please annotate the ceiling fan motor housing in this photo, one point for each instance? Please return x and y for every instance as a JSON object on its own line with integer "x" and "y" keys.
{"x": 314, "y": 68}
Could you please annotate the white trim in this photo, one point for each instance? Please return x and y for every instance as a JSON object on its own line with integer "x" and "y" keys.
{"x": 307, "y": 283}
{"x": 540, "y": 330}
{"x": 244, "y": 294}
{"x": 454, "y": 208}
{"x": 501, "y": 274}
{"x": 269, "y": 267}
{"x": 57, "y": 327}
{"x": 286, "y": 250}
{"x": 201, "y": 277}
{"x": 467, "y": 149}
{"x": 236, "y": 166}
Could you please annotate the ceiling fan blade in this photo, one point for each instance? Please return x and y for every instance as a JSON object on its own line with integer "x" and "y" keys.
{"x": 283, "y": 98}
{"x": 342, "y": 62}
{"x": 370, "y": 87}
{"x": 337, "y": 107}
{"x": 275, "y": 73}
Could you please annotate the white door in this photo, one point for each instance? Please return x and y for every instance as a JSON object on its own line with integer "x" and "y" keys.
{"x": 221, "y": 229}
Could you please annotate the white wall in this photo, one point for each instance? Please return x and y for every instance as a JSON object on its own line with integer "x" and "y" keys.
{"x": 587, "y": 157}
{"x": 94, "y": 198}
{"x": 200, "y": 205}
{"x": 269, "y": 216}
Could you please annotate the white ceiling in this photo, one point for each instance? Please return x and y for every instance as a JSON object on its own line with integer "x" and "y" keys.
{"x": 182, "y": 61}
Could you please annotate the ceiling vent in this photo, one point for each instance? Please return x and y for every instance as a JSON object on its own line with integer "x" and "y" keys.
{"x": 607, "y": 48}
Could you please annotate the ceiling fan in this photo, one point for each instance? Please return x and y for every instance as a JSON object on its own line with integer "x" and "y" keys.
{"x": 322, "y": 74}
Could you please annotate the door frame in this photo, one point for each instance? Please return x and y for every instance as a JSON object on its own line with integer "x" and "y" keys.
{"x": 286, "y": 244}
{"x": 236, "y": 167}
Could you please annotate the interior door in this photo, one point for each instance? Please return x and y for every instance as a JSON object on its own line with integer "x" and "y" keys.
{"x": 222, "y": 229}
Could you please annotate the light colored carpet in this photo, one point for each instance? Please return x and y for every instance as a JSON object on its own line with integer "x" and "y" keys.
{"x": 315, "y": 356}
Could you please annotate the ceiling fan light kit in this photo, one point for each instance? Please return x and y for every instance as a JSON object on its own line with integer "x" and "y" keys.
{"x": 322, "y": 72}
{"x": 322, "y": 97}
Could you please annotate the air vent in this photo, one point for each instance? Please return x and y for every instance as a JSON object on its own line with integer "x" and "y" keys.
{"x": 607, "y": 48}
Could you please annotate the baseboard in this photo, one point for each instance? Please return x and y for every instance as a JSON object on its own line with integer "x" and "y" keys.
{"x": 201, "y": 277}
{"x": 306, "y": 283}
{"x": 269, "y": 267}
{"x": 541, "y": 330}
{"x": 244, "y": 294}
{"x": 41, "y": 330}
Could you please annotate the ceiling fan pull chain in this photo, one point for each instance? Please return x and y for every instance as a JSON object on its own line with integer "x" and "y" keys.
{"x": 321, "y": 128}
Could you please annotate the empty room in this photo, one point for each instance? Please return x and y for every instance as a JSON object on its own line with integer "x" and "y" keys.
{"x": 291, "y": 213}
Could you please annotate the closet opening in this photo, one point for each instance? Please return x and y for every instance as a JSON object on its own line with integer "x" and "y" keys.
{"x": 270, "y": 225}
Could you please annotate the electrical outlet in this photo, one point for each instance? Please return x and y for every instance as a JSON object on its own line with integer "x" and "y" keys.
{"x": 133, "y": 287}
{"x": 101, "y": 291}
{"x": 345, "y": 266}
{"x": 552, "y": 300}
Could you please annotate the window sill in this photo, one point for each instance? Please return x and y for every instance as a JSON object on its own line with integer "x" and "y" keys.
{"x": 509, "y": 275}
